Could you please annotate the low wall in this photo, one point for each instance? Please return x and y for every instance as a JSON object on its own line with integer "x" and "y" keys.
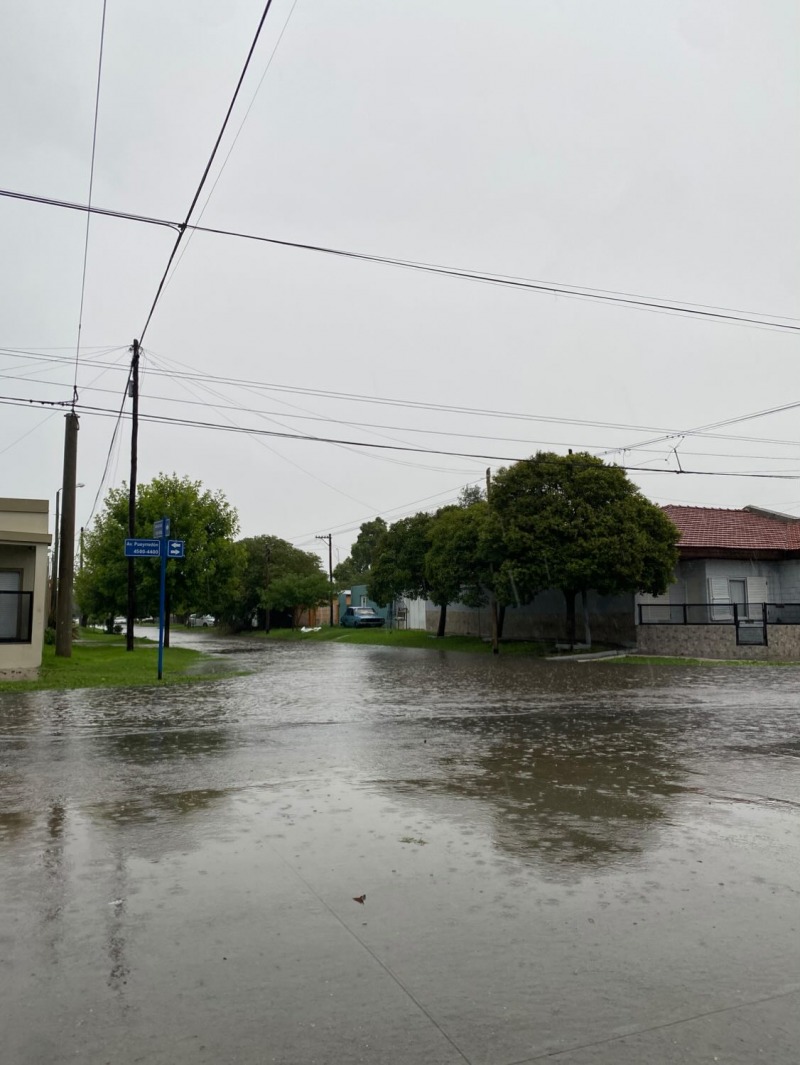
{"x": 716, "y": 641}
{"x": 526, "y": 623}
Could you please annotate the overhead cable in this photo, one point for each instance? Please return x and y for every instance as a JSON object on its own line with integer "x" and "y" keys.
{"x": 88, "y": 213}
{"x": 780, "y": 323}
{"x": 196, "y": 424}
{"x": 183, "y": 227}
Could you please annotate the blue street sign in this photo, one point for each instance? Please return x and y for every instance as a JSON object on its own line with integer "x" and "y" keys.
{"x": 175, "y": 548}
{"x": 161, "y": 528}
{"x": 142, "y": 548}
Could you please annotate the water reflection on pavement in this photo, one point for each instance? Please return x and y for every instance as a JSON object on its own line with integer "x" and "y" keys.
{"x": 589, "y": 862}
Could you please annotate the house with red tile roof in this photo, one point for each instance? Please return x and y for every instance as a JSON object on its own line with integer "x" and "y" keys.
{"x": 738, "y": 569}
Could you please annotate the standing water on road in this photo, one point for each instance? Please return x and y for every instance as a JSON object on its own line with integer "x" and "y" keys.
{"x": 588, "y": 862}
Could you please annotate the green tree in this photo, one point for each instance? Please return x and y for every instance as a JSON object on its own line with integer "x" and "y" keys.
{"x": 401, "y": 567}
{"x": 205, "y": 580}
{"x": 574, "y": 523}
{"x": 296, "y": 592}
{"x": 356, "y": 567}
{"x": 458, "y": 561}
{"x": 263, "y": 560}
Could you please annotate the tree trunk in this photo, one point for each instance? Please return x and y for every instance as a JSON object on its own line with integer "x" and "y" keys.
{"x": 166, "y": 618}
{"x": 569, "y": 595}
{"x": 587, "y": 628}
{"x": 495, "y": 628}
{"x": 501, "y": 620}
{"x": 442, "y": 621}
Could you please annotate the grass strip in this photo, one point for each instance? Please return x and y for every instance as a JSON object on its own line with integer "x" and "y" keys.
{"x": 101, "y": 661}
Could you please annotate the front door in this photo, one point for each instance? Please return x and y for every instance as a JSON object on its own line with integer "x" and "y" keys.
{"x": 738, "y": 594}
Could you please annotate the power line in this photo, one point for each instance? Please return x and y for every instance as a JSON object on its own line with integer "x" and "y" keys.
{"x": 111, "y": 445}
{"x": 277, "y": 453}
{"x": 235, "y": 139}
{"x": 88, "y": 213}
{"x": 199, "y": 189}
{"x": 273, "y": 415}
{"x": 704, "y": 312}
{"x": 196, "y": 424}
{"x": 252, "y": 385}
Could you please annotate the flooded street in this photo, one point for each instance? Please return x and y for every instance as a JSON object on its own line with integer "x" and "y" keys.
{"x": 576, "y": 862}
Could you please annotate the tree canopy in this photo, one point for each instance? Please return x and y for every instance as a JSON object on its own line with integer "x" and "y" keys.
{"x": 262, "y": 561}
{"x": 356, "y": 567}
{"x": 574, "y": 523}
{"x": 296, "y": 592}
{"x": 203, "y": 581}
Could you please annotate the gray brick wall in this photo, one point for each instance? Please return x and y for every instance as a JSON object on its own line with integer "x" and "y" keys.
{"x": 716, "y": 641}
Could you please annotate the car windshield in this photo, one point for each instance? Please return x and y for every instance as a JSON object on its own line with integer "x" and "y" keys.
{"x": 364, "y": 610}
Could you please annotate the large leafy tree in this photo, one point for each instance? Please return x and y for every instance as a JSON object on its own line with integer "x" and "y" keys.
{"x": 356, "y": 567}
{"x": 464, "y": 558}
{"x": 296, "y": 592}
{"x": 205, "y": 580}
{"x": 263, "y": 560}
{"x": 401, "y": 568}
{"x": 574, "y": 523}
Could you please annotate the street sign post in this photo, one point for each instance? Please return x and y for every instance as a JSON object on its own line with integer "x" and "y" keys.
{"x": 163, "y": 531}
{"x": 162, "y": 548}
{"x": 142, "y": 548}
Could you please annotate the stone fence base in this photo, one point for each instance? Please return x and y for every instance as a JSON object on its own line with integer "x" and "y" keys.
{"x": 716, "y": 641}
{"x": 525, "y": 623}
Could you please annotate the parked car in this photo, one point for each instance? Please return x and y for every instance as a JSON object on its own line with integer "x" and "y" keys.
{"x": 198, "y": 621}
{"x": 358, "y": 617}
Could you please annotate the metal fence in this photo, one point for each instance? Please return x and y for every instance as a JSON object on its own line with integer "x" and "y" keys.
{"x": 16, "y": 617}
{"x": 718, "y": 613}
{"x": 751, "y": 622}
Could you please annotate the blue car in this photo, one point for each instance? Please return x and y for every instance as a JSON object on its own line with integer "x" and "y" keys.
{"x": 361, "y": 617}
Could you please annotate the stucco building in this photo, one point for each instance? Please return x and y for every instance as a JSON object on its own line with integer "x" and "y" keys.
{"x": 24, "y": 540}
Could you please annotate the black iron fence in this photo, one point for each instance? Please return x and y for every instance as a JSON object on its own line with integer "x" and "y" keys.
{"x": 751, "y": 622}
{"x": 718, "y": 613}
{"x": 16, "y": 617}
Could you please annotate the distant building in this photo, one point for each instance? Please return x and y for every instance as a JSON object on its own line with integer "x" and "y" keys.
{"x": 736, "y": 592}
{"x": 24, "y": 540}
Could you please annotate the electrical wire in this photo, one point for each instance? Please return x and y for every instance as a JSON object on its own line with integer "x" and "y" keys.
{"x": 196, "y": 197}
{"x": 778, "y": 323}
{"x": 592, "y": 446}
{"x": 88, "y": 213}
{"x": 117, "y": 425}
{"x": 291, "y": 462}
{"x": 197, "y": 424}
{"x": 472, "y": 412}
{"x": 188, "y": 241}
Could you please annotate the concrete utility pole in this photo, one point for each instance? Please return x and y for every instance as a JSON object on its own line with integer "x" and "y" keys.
{"x": 134, "y": 393}
{"x": 66, "y": 549}
{"x": 54, "y": 577}
{"x": 329, "y": 539}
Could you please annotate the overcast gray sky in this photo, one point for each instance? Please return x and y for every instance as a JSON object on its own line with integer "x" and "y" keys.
{"x": 647, "y": 148}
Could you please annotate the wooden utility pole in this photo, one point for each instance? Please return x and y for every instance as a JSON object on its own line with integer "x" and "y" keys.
{"x": 134, "y": 393}
{"x": 66, "y": 539}
{"x": 329, "y": 539}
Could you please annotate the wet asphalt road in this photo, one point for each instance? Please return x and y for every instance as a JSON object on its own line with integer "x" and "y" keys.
{"x": 588, "y": 864}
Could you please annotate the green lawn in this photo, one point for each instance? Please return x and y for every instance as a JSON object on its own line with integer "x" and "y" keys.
{"x": 101, "y": 661}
